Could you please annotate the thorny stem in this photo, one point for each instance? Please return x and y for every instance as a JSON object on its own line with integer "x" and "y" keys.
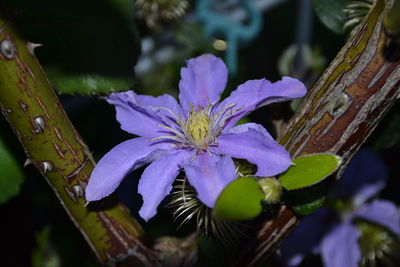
{"x": 51, "y": 143}
{"x": 338, "y": 115}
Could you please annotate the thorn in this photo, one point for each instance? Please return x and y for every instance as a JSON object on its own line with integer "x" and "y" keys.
{"x": 32, "y": 47}
{"x": 46, "y": 166}
{"x": 78, "y": 190}
{"x": 40, "y": 124}
{"x": 27, "y": 162}
{"x": 87, "y": 203}
{"x": 7, "y": 48}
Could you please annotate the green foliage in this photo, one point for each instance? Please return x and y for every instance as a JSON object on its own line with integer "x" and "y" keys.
{"x": 305, "y": 201}
{"x": 11, "y": 174}
{"x": 392, "y": 19}
{"x": 309, "y": 207}
{"x": 240, "y": 200}
{"x": 309, "y": 170}
{"x": 84, "y": 43}
{"x": 59, "y": 245}
{"x": 331, "y": 14}
{"x": 312, "y": 58}
{"x": 45, "y": 254}
{"x": 86, "y": 83}
{"x": 306, "y": 181}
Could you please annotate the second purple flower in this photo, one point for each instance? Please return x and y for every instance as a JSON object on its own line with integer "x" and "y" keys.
{"x": 197, "y": 136}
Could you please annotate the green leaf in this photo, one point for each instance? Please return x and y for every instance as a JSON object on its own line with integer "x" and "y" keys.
{"x": 310, "y": 207}
{"x": 86, "y": 83}
{"x": 11, "y": 175}
{"x": 330, "y": 13}
{"x": 309, "y": 170}
{"x": 240, "y": 200}
{"x": 306, "y": 200}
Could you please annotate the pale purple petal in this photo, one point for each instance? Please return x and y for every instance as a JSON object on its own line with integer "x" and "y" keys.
{"x": 270, "y": 157}
{"x": 247, "y": 126}
{"x": 156, "y": 181}
{"x": 135, "y": 118}
{"x": 202, "y": 81}
{"x": 209, "y": 175}
{"x": 363, "y": 178}
{"x": 381, "y": 212}
{"x": 257, "y": 93}
{"x": 165, "y": 101}
{"x": 118, "y": 162}
{"x": 305, "y": 238}
{"x": 340, "y": 247}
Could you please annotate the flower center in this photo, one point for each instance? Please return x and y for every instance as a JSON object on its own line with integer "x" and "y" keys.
{"x": 201, "y": 128}
{"x": 377, "y": 244}
{"x": 198, "y": 128}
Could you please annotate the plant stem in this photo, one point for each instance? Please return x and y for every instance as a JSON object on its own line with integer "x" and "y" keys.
{"x": 52, "y": 144}
{"x": 338, "y": 115}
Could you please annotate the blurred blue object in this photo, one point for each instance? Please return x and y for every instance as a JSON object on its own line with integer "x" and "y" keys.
{"x": 227, "y": 20}
{"x": 365, "y": 176}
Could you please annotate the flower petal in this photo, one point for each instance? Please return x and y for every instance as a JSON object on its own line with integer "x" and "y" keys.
{"x": 364, "y": 177}
{"x": 164, "y": 100}
{"x": 340, "y": 247}
{"x": 257, "y": 93}
{"x": 137, "y": 115}
{"x": 202, "y": 81}
{"x": 118, "y": 162}
{"x": 270, "y": 157}
{"x": 209, "y": 175}
{"x": 156, "y": 181}
{"x": 247, "y": 126}
{"x": 381, "y": 212}
{"x": 305, "y": 238}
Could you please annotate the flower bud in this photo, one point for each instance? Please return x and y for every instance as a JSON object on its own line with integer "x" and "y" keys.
{"x": 272, "y": 189}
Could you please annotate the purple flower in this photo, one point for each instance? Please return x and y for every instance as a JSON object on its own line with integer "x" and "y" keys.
{"x": 198, "y": 135}
{"x": 335, "y": 235}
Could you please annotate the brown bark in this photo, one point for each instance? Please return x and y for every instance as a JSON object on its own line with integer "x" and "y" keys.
{"x": 338, "y": 115}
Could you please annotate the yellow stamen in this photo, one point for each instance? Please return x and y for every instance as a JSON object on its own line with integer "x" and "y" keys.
{"x": 198, "y": 127}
